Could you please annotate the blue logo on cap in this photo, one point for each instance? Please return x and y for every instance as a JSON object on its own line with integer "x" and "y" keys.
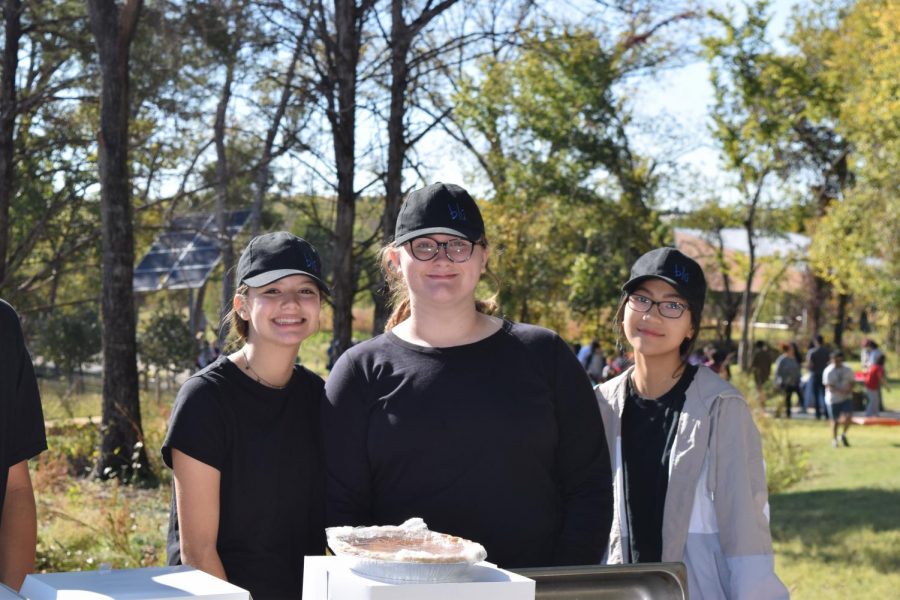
{"x": 457, "y": 213}
{"x": 310, "y": 261}
{"x": 681, "y": 273}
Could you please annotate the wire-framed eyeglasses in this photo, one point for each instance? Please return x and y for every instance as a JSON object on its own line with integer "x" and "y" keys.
{"x": 669, "y": 309}
{"x": 456, "y": 250}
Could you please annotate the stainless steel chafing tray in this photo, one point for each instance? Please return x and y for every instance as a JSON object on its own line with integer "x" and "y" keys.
{"x": 656, "y": 581}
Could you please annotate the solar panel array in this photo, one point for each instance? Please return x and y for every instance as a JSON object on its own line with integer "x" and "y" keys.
{"x": 184, "y": 255}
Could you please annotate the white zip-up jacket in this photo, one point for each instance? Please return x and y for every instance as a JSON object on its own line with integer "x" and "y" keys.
{"x": 716, "y": 514}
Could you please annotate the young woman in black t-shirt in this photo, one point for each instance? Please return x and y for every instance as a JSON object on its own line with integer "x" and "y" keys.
{"x": 484, "y": 428}
{"x": 243, "y": 439}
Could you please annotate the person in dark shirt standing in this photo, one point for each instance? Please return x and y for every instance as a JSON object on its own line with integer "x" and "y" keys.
{"x": 817, "y": 359}
{"x": 22, "y": 437}
{"x": 484, "y": 428}
{"x": 243, "y": 439}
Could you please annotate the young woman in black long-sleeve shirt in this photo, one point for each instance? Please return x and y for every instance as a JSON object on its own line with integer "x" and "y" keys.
{"x": 484, "y": 428}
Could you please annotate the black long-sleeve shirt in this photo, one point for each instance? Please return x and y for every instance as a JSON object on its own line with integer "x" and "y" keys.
{"x": 499, "y": 441}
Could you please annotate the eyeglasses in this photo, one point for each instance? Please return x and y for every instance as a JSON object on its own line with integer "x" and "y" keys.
{"x": 667, "y": 308}
{"x": 456, "y": 250}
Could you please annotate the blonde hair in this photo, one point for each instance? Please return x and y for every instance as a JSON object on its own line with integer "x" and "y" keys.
{"x": 399, "y": 292}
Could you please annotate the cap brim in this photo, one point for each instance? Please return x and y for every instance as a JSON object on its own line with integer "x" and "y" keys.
{"x": 273, "y": 276}
{"x": 632, "y": 283}
{"x": 445, "y": 230}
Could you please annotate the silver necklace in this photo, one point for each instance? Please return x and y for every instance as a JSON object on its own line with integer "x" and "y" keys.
{"x": 259, "y": 379}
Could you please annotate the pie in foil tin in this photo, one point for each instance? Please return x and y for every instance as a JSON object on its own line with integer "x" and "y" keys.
{"x": 405, "y": 553}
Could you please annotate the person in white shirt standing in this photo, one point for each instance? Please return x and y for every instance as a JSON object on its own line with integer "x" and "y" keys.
{"x": 838, "y": 381}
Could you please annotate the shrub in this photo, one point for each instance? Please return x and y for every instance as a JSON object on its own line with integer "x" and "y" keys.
{"x": 786, "y": 462}
{"x": 69, "y": 338}
{"x": 166, "y": 342}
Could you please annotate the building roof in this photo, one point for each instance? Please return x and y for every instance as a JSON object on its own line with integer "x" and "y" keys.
{"x": 773, "y": 250}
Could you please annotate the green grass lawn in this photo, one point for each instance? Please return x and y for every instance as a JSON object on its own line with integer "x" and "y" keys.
{"x": 837, "y": 533}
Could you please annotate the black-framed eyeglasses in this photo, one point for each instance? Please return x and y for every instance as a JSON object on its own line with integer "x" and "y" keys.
{"x": 669, "y": 309}
{"x": 456, "y": 250}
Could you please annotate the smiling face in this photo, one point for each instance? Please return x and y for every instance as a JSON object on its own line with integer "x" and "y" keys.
{"x": 439, "y": 281}
{"x": 649, "y": 333}
{"x": 285, "y": 312}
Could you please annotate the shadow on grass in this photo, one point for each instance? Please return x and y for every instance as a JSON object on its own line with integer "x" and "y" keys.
{"x": 822, "y": 521}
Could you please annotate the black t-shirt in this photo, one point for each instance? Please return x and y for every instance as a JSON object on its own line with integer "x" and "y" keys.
{"x": 21, "y": 418}
{"x": 818, "y": 358}
{"x": 499, "y": 441}
{"x": 648, "y": 432}
{"x": 266, "y": 445}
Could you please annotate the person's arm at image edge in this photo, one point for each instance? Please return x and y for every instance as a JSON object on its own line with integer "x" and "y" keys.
{"x": 18, "y": 527}
{"x": 197, "y": 498}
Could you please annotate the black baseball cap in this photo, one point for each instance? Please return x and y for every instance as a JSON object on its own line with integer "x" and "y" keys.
{"x": 439, "y": 208}
{"x": 271, "y": 256}
{"x": 675, "y": 268}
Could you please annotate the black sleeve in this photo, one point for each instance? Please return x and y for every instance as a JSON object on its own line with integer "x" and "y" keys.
{"x": 344, "y": 438}
{"x": 583, "y": 465}
{"x": 27, "y": 435}
{"x": 197, "y": 426}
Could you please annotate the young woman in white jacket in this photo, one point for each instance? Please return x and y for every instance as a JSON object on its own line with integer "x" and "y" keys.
{"x": 689, "y": 479}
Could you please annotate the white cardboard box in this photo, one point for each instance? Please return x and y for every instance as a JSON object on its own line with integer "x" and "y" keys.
{"x": 151, "y": 583}
{"x": 327, "y": 578}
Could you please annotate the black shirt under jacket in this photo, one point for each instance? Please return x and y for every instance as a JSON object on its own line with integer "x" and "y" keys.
{"x": 648, "y": 433}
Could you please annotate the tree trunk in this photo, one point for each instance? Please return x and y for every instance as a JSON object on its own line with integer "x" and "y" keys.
{"x": 198, "y": 319}
{"x": 12, "y": 10}
{"x": 121, "y": 451}
{"x": 225, "y": 244}
{"x": 393, "y": 197}
{"x": 839, "y": 320}
{"x": 263, "y": 171}
{"x": 343, "y": 125}
{"x": 731, "y": 311}
{"x": 747, "y": 299}
{"x": 750, "y": 228}
{"x": 820, "y": 290}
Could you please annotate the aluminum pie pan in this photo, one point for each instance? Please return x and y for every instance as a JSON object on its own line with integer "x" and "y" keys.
{"x": 404, "y": 553}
